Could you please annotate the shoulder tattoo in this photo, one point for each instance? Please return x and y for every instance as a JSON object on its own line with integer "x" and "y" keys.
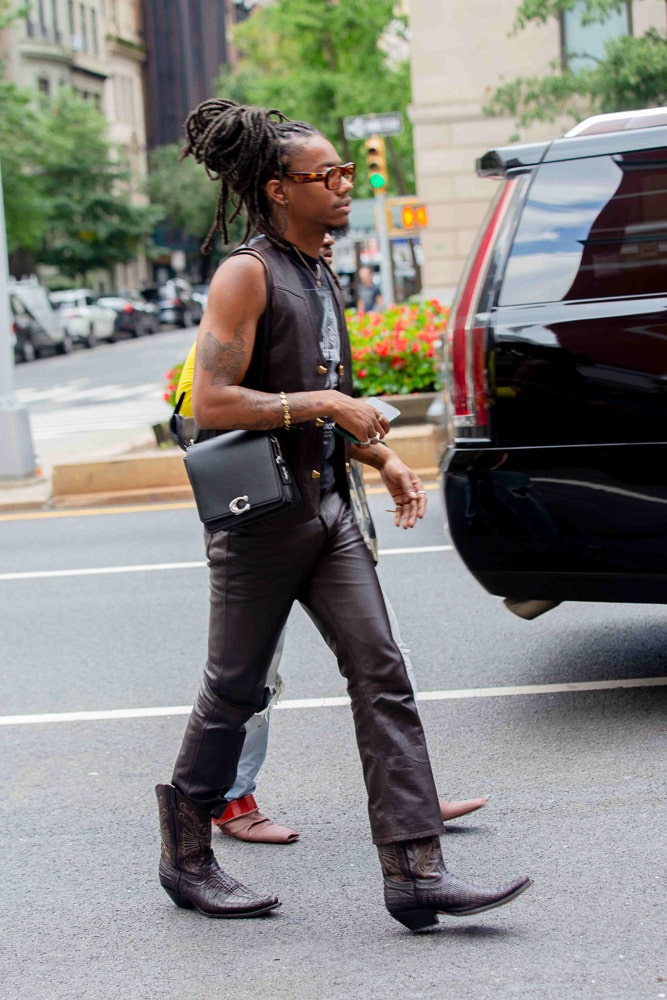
{"x": 225, "y": 362}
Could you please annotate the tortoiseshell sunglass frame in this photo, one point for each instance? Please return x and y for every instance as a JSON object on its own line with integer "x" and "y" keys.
{"x": 344, "y": 170}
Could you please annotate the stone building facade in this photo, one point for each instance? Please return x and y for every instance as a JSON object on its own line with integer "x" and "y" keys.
{"x": 461, "y": 50}
{"x": 97, "y": 48}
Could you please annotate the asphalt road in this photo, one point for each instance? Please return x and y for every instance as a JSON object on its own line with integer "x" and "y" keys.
{"x": 576, "y": 778}
{"x": 100, "y": 402}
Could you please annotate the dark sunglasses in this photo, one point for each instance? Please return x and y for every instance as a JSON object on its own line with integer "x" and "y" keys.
{"x": 332, "y": 176}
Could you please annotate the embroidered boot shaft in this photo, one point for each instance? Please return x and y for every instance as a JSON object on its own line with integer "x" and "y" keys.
{"x": 189, "y": 872}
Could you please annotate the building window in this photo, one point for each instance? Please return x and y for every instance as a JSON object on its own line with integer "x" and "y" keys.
{"x": 93, "y": 30}
{"x": 84, "y": 27}
{"x": 123, "y": 91}
{"x": 42, "y": 19}
{"x": 584, "y": 44}
{"x": 55, "y": 21}
{"x": 43, "y": 85}
{"x": 70, "y": 17}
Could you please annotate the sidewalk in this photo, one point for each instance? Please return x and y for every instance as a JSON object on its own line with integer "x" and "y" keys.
{"x": 146, "y": 473}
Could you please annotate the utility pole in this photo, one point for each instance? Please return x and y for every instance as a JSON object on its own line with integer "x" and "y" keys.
{"x": 17, "y": 455}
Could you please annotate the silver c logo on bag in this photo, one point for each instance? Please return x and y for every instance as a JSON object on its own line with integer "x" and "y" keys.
{"x": 239, "y": 505}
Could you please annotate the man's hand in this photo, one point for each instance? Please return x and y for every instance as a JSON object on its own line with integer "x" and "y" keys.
{"x": 407, "y": 491}
{"x": 406, "y": 488}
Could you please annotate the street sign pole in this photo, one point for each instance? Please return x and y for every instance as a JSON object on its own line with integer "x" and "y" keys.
{"x": 17, "y": 455}
{"x": 386, "y": 269}
{"x": 366, "y": 127}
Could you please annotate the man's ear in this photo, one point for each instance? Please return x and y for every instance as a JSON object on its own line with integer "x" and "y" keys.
{"x": 276, "y": 192}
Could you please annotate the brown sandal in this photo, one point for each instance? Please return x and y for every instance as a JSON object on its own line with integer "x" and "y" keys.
{"x": 243, "y": 821}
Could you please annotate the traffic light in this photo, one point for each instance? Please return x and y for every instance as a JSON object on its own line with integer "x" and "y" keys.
{"x": 414, "y": 217}
{"x": 376, "y": 163}
{"x": 405, "y": 216}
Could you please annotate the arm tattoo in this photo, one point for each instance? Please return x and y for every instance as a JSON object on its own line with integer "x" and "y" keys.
{"x": 225, "y": 362}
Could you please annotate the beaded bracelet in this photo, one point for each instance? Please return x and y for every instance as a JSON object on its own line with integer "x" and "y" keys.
{"x": 287, "y": 416}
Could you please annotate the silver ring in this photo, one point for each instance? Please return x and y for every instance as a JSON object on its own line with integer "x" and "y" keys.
{"x": 421, "y": 493}
{"x": 376, "y": 437}
{"x": 364, "y": 443}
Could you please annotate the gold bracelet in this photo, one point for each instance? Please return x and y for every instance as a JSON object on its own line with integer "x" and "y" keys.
{"x": 287, "y": 416}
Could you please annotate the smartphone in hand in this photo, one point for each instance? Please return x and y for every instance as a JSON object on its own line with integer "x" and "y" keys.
{"x": 388, "y": 411}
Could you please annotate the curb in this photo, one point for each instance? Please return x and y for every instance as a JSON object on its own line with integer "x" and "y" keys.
{"x": 155, "y": 476}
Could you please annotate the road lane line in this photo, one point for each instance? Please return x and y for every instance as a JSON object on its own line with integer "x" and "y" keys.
{"x": 573, "y": 687}
{"x": 49, "y": 574}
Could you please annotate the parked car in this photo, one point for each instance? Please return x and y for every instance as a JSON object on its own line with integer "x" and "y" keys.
{"x": 82, "y": 317}
{"x": 175, "y": 302}
{"x": 200, "y": 295}
{"x": 35, "y": 323}
{"x": 133, "y": 316}
{"x": 555, "y": 474}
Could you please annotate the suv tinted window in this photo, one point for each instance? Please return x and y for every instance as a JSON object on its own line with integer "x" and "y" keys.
{"x": 591, "y": 228}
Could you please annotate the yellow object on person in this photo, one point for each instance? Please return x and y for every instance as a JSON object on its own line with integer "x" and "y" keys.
{"x": 185, "y": 382}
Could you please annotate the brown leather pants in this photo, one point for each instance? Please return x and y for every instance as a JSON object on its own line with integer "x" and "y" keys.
{"x": 255, "y": 577}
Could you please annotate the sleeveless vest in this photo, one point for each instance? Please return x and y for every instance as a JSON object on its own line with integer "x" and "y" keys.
{"x": 295, "y": 364}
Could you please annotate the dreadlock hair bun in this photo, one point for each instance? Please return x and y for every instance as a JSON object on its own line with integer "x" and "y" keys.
{"x": 242, "y": 147}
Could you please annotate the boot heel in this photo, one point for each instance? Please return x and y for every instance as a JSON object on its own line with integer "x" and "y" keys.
{"x": 416, "y": 920}
{"x": 181, "y": 901}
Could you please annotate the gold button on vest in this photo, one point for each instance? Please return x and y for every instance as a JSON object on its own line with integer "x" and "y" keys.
{"x": 321, "y": 370}
{"x": 319, "y": 422}
{"x": 341, "y": 370}
{"x": 315, "y": 474}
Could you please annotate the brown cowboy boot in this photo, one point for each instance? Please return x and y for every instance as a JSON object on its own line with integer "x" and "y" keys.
{"x": 189, "y": 873}
{"x": 417, "y": 886}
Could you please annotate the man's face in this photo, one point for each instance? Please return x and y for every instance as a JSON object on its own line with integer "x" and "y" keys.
{"x": 313, "y": 202}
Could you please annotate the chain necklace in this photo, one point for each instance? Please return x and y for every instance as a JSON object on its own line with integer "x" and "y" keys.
{"x": 315, "y": 273}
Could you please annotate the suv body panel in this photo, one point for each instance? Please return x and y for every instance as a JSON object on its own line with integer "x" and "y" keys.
{"x": 565, "y": 498}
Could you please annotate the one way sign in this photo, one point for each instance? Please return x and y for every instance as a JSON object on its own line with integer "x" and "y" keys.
{"x": 362, "y": 126}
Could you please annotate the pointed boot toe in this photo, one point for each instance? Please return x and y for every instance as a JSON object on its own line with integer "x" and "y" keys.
{"x": 417, "y": 886}
{"x": 452, "y": 810}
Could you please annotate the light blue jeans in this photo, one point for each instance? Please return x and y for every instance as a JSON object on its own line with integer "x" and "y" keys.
{"x": 257, "y": 728}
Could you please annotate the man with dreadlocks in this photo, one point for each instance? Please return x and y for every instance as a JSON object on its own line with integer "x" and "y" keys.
{"x": 289, "y": 180}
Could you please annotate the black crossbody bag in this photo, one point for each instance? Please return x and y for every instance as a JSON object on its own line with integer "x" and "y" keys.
{"x": 240, "y": 476}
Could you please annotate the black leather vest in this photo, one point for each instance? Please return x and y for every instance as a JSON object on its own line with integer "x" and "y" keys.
{"x": 295, "y": 364}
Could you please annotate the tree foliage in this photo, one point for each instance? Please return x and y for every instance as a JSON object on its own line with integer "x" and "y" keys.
{"x": 631, "y": 74}
{"x": 66, "y": 189}
{"x": 92, "y": 221}
{"x": 25, "y": 214}
{"x": 322, "y": 61}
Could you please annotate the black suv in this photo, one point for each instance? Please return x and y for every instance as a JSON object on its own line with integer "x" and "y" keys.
{"x": 555, "y": 473}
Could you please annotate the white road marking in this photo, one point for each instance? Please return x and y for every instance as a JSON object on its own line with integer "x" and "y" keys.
{"x": 159, "y": 567}
{"x": 574, "y": 687}
{"x": 77, "y": 392}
